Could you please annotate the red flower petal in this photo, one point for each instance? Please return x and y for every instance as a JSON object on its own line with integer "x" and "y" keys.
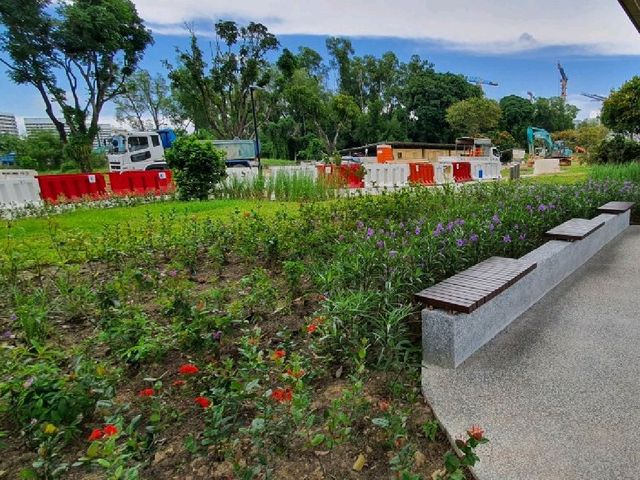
{"x": 188, "y": 369}
{"x": 110, "y": 430}
{"x": 96, "y": 434}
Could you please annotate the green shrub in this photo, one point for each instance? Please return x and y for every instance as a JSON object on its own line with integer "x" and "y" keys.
{"x": 198, "y": 167}
{"x": 618, "y": 149}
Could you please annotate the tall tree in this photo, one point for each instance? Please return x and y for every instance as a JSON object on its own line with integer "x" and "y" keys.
{"x": 517, "y": 115}
{"x": 78, "y": 55}
{"x": 426, "y": 95}
{"x": 621, "y": 111}
{"x": 554, "y": 114}
{"x": 145, "y": 97}
{"x": 216, "y": 93}
{"x": 474, "y": 117}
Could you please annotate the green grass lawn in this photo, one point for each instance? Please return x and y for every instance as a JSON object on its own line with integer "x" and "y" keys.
{"x": 35, "y": 234}
{"x": 276, "y": 162}
{"x": 568, "y": 175}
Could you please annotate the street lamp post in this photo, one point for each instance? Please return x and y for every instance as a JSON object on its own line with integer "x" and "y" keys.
{"x": 255, "y": 126}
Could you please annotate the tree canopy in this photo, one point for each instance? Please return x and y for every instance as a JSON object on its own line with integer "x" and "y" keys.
{"x": 474, "y": 117}
{"x": 621, "y": 111}
{"x": 78, "y": 55}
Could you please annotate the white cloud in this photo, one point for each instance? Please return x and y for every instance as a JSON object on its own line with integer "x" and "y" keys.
{"x": 599, "y": 26}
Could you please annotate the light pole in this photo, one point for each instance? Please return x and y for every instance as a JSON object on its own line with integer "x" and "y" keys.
{"x": 255, "y": 125}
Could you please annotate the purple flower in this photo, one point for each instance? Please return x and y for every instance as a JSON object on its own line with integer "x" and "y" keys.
{"x": 459, "y": 222}
{"x": 473, "y": 238}
{"x": 380, "y": 244}
{"x": 172, "y": 273}
{"x": 393, "y": 253}
{"x": 341, "y": 237}
{"x": 542, "y": 207}
{"x": 522, "y": 237}
{"x": 360, "y": 224}
{"x": 491, "y": 227}
{"x": 439, "y": 229}
{"x": 530, "y": 208}
{"x": 401, "y": 224}
{"x": 506, "y": 239}
{"x": 418, "y": 230}
{"x": 450, "y": 226}
{"x": 370, "y": 232}
{"x": 551, "y": 206}
{"x": 495, "y": 219}
{"x": 421, "y": 222}
{"x": 13, "y": 317}
{"x": 7, "y": 334}
{"x": 461, "y": 242}
{"x": 216, "y": 336}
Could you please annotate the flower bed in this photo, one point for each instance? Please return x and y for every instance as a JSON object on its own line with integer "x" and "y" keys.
{"x": 284, "y": 345}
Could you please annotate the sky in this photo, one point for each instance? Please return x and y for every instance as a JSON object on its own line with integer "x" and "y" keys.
{"x": 516, "y": 43}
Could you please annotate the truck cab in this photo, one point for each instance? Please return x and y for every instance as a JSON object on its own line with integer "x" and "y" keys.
{"x": 136, "y": 151}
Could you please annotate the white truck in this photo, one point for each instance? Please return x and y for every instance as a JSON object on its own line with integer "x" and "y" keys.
{"x": 145, "y": 151}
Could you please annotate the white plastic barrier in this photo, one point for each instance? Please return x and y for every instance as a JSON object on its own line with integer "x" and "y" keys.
{"x": 386, "y": 175}
{"x": 241, "y": 173}
{"x": 19, "y": 188}
{"x": 444, "y": 173}
{"x": 546, "y": 165}
{"x": 485, "y": 170}
{"x": 299, "y": 170}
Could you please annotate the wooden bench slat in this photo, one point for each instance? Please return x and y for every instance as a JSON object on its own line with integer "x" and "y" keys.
{"x": 471, "y": 288}
{"x": 574, "y": 229}
{"x": 615, "y": 207}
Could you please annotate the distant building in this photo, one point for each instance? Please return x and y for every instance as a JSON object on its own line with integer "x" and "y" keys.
{"x": 404, "y": 151}
{"x": 105, "y": 132}
{"x": 34, "y": 125}
{"x": 8, "y": 124}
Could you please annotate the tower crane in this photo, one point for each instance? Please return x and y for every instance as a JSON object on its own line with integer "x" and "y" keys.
{"x": 594, "y": 96}
{"x": 563, "y": 82}
{"x": 480, "y": 81}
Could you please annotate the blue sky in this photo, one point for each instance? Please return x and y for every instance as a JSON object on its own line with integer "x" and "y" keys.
{"x": 516, "y": 45}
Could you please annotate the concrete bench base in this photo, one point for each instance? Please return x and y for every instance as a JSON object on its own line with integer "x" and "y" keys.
{"x": 448, "y": 339}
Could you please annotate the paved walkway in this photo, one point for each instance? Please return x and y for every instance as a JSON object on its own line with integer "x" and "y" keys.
{"x": 558, "y": 391}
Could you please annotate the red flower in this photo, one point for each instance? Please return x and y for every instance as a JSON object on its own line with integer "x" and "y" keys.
{"x": 278, "y": 354}
{"x": 296, "y": 374}
{"x": 311, "y": 328}
{"x": 203, "y": 402}
{"x": 109, "y": 430}
{"x": 188, "y": 369}
{"x": 282, "y": 395}
{"x": 96, "y": 434}
{"x": 476, "y": 432}
{"x": 147, "y": 392}
{"x": 179, "y": 383}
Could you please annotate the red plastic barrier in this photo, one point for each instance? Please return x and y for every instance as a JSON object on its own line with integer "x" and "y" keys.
{"x": 349, "y": 175}
{"x": 71, "y": 186}
{"x": 462, "y": 172}
{"x": 140, "y": 183}
{"x": 422, "y": 173}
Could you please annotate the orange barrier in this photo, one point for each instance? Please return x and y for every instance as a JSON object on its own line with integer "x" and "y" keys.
{"x": 422, "y": 173}
{"x": 384, "y": 153}
{"x": 71, "y": 186}
{"x": 462, "y": 172}
{"x": 349, "y": 175}
{"x": 140, "y": 183}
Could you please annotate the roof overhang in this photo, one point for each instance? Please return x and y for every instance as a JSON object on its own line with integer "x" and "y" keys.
{"x": 632, "y": 8}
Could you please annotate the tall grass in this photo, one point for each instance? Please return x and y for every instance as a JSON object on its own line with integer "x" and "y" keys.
{"x": 622, "y": 172}
{"x": 284, "y": 186}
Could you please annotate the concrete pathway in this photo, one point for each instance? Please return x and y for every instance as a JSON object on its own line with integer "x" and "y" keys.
{"x": 558, "y": 391}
